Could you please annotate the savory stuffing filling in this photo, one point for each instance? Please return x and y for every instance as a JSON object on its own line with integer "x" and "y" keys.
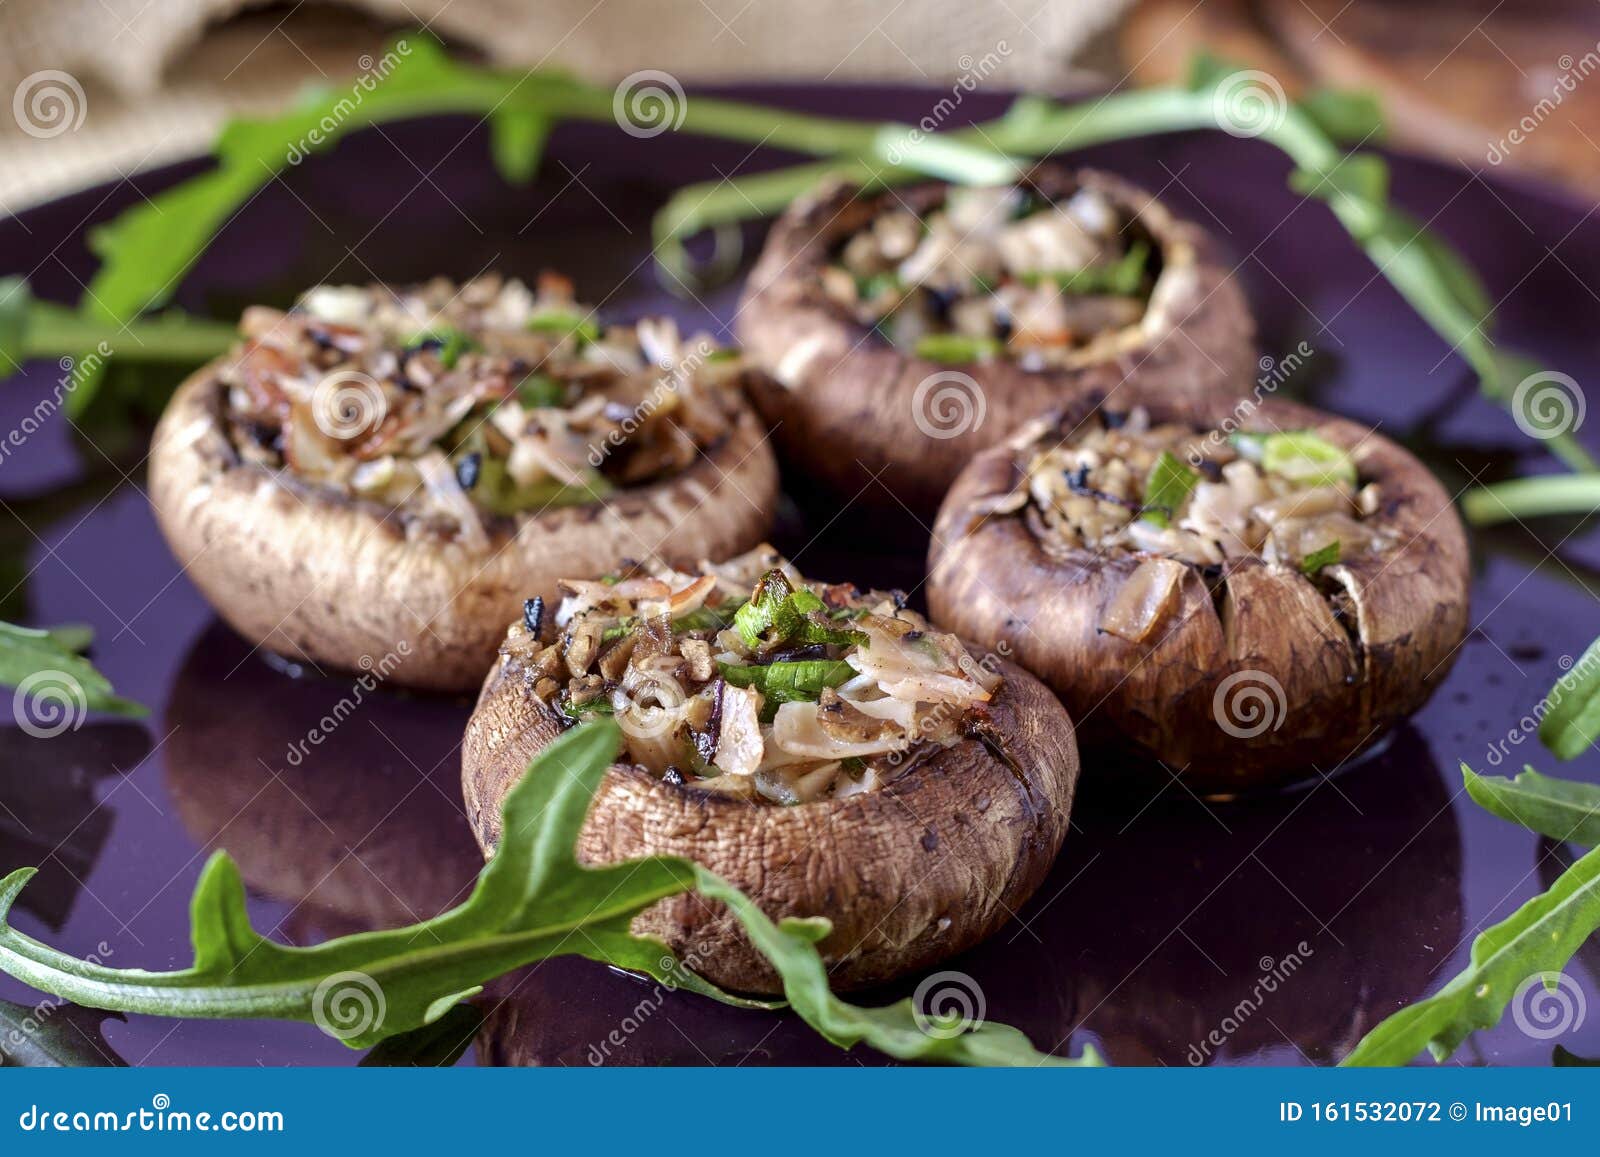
{"x": 998, "y": 272}
{"x": 465, "y": 403}
{"x": 1188, "y": 498}
{"x": 749, "y": 680}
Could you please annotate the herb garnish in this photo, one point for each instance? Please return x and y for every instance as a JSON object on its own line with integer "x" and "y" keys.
{"x": 532, "y": 901}
{"x": 957, "y": 348}
{"x": 1165, "y": 488}
{"x": 1572, "y": 723}
{"x": 788, "y": 682}
{"x": 1539, "y": 938}
{"x": 1323, "y": 556}
{"x": 50, "y": 665}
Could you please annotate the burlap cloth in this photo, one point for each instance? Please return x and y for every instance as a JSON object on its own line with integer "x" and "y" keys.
{"x": 112, "y": 86}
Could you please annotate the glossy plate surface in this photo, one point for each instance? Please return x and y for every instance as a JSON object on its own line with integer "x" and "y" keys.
{"x": 1173, "y": 931}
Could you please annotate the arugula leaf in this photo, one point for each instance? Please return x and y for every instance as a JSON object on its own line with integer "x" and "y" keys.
{"x": 532, "y": 901}
{"x": 892, "y": 1029}
{"x": 1352, "y": 118}
{"x": 517, "y": 138}
{"x": 1572, "y": 721}
{"x": 1563, "y": 1058}
{"x": 1538, "y": 938}
{"x": 1562, "y": 809}
{"x": 49, "y": 665}
{"x": 1165, "y": 488}
{"x": 433, "y": 1046}
{"x": 52, "y": 1036}
{"x": 1319, "y": 558}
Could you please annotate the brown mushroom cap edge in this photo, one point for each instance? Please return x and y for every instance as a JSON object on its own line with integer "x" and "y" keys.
{"x": 910, "y": 873}
{"x": 844, "y": 404}
{"x": 313, "y": 575}
{"x": 1250, "y": 680}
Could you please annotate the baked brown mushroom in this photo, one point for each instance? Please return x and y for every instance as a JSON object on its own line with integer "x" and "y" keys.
{"x": 379, "y": 478}
{"x": 1248, "y": 593}
{"x": 822, "y": 747}
{"x": 903, "y": 332}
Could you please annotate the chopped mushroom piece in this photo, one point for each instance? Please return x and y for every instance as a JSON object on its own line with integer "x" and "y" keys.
{"x": 496, "y": 399}
{"x": 1128, "y": 486}
{"x": 1144, "y": 600}
{"x": 747, "y": 670}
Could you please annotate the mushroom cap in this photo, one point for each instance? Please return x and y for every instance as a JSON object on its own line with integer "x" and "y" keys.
{"x": 910, "y": 873}
{"x": 1257, "y": 683}
{"x": 844, "y": 403}
{"x": 314, "y": 575}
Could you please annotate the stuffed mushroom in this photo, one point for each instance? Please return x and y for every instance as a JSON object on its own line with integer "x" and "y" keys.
{"x": 823, "y": 747}
{"x": 389, "y": 473}
{"x": 1249, "y": 594}
{"x": 903, "y": 332}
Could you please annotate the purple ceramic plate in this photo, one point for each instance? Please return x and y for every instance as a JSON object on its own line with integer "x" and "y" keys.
{"x": 1276, "y": 930}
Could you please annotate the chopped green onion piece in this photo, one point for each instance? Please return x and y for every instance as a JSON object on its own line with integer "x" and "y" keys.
{"x": 805, "y": 601}
{"x": 1248, "y": 446}
{"x": 780, "y": 614}
{"x": 565, "y": 323}
{"x": 1165, "y": 489}
{"x": 541, "y": 392}
{"x": 699, "y": 619}
{"x": 452, "y": 344}
{"x": 1122, "y": 277}
{"x": 1319, "y": 558}
{"x": 1302, "y": 456}
{"x": 957, "y": 348}
{"x": 498, "y": 493}
{"x": 761, "y": 613}
{"x": 599, "y": 705}
{"x": 870, "y": 287}
{"x": 790, "y": 682}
